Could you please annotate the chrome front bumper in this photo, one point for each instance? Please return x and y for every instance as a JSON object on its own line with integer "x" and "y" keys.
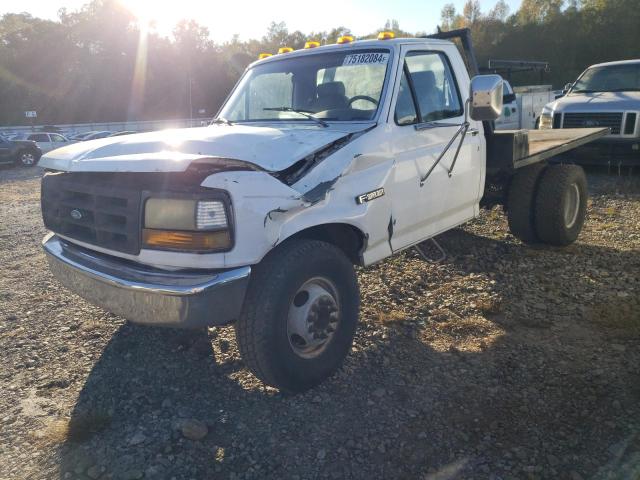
{"x": 188, "y": 299}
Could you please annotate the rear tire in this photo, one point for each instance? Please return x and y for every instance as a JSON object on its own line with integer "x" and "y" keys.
{"x": 27, "y": 158}
{"x": 300, "y": 315}
{"x": 521, "y": 202}
{"x": 561, "y": 204}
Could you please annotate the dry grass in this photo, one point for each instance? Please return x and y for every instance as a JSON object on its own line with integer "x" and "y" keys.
{"x": 606, "y": 226}
{"x": 91, "y": 325}
{"x": 489, "y": 305}
{"x": 75, "y": 429}
{"x": 394, "y": 317}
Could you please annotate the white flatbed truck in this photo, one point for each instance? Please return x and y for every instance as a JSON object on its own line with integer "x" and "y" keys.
{"x": 320, "y": 159}
{"x": 523, "y": 106}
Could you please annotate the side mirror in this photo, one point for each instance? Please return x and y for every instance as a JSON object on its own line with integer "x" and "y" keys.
{"x": 567, "y": 87}
{"x": 485, "y": 96}
{"x": 508, "y": 98}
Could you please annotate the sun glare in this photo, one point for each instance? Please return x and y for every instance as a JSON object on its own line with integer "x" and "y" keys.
{"x": 250, "y": 18}
{"x": 158, "y": 14}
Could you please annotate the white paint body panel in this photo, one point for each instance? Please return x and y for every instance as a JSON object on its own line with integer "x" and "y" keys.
{"x": 267, "y": 211}
{"x": 270, "y": 147}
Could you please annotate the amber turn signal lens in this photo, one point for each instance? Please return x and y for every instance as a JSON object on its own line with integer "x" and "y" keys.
{"x": 186, "y": 241}
{"x": 386, "y": 35}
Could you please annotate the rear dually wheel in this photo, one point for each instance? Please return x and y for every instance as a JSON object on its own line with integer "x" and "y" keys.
{"x": 561, "y": 204}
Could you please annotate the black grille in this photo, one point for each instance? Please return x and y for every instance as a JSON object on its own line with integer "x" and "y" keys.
{"x": 594, "y": 120}
{"x": 89, "y": 209}
{"x": 630, "y": 124}
{"x": 557, "y": 120}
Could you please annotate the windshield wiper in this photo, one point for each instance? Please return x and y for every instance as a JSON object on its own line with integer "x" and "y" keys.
{"x": 299, "y": 112}
{"x": 222, "y": 120}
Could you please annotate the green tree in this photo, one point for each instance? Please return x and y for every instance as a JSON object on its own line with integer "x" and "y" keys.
{"x": 537, "y": 11}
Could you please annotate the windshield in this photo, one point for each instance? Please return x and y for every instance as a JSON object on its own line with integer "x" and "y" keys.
{"x": 334, "y": 86}
{"x": 614, "y": 78}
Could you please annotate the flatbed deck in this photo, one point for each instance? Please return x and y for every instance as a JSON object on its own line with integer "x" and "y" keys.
{"x": 512, "y": 149}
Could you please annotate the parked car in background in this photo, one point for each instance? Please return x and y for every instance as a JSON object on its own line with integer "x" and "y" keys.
{"x": 20, "y": 152}
{"x": 78, "y": 137}
{"x": 523, "y": 106}
{"x": 124, "y": 132}
{"x": 50, "y": 128}
{"x": 45, "y": 141}
{"x": 605, "y": 95}
{"x": 96, "y": 135}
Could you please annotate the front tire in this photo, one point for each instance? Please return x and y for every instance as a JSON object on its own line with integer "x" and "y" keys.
{"x": 300, "y": 315}
{"x": 27, "y": 158}
{"x": 561, "y": 204}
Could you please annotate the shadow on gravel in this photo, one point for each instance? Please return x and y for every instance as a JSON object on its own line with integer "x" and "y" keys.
{"x": 536, "y": 403}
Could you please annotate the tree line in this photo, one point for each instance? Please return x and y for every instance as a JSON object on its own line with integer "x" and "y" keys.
{"x": 96, "y": 65}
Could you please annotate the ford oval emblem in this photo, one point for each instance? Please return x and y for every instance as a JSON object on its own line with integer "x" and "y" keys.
{"x": 76, "y": 214}
{"x": 591, "y": 123}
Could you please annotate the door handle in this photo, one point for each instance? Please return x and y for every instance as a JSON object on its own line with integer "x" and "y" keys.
{"x": 473, "y": 131}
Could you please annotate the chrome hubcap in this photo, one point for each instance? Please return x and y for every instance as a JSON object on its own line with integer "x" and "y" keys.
{"x": 314, "y": 315}
{"x": 571, "y": 205}
{"x": 27, "y": 159}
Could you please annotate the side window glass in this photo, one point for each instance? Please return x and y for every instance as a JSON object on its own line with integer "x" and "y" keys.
{"x": 239, "y": 109}
{"x": 405, "y": 108}
{"x": 39, "y": 137}
{"x": 434, "y": 85}
{"x": 56, "y": 138}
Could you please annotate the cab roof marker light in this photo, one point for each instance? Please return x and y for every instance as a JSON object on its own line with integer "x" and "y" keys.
{"x": 386, "y": 35}
{"x": 264, "y": 55}
{"x": 285, "y": 50}
{"x": 311, "y": 44}
{"x": 345, "y": 39}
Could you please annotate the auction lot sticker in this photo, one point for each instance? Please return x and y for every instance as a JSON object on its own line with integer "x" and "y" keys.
{"x": 371, "y": 58}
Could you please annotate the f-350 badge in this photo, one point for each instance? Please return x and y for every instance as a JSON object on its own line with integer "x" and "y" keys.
{"x": 367, "y": 197}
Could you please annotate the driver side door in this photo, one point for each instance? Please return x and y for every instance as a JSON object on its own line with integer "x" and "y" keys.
{"x": 428, "y": 110}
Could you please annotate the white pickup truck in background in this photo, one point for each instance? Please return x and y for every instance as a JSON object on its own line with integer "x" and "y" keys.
{"x": 523, "y": 106}
{"x": 605, "y": 95}
{"x": 320, "y": 160}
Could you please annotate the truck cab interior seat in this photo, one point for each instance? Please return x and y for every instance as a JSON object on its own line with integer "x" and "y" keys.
{"x": 331, "y": 97}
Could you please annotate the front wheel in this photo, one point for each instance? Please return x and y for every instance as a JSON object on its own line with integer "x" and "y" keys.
{"x": 27, "y": 158}
{"x": 300, "y": 315}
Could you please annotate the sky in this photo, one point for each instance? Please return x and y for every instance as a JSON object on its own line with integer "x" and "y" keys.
{"x": 250, "y": 18}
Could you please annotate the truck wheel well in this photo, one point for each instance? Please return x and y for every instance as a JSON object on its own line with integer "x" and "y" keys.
{"x": 349, "y": 239}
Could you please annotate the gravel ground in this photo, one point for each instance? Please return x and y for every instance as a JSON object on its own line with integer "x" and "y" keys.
{"x": 504, "y": 361}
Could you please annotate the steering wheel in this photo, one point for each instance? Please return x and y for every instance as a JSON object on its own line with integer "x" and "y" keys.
{"x": 363, "y": 97}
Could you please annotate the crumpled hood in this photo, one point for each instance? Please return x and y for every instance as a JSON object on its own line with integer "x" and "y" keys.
{"x": 270, "y": 148}
{"x": 599, "y": 101}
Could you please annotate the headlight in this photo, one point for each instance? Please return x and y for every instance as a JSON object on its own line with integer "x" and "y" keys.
{"x": 195, "y": 225}
{"x": 546, "y": 119}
